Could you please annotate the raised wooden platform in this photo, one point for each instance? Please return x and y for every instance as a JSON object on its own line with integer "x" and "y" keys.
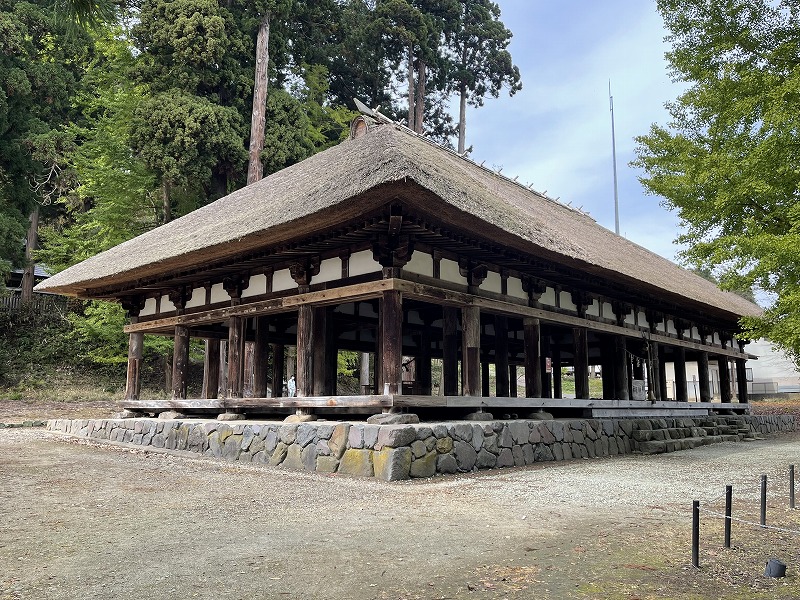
{"x": 376, "y": 403}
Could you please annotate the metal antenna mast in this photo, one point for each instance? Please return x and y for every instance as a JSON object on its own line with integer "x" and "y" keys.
{"x": 614, "y": 159}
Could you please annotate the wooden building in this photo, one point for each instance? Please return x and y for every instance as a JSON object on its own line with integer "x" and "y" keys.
{"x": 393, "y": 245}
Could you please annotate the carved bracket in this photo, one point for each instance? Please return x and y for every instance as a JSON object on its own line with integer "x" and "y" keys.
{"x": 653, "y": 319}
{"x": 582, "y": 301}
{"x": 235, "y": 285}
{"x": 474, "y": 273}
{"x": 180, "y": 296}
{"x": 621, "y": 310}
{"x": 534, "y": 287}
{"x": 393, "y": 251}
{"x": 133, "y": 305}
{"x": 303, "y": 271}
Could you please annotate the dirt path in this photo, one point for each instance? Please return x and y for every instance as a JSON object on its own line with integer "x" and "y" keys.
{"x": 84, "y": 521}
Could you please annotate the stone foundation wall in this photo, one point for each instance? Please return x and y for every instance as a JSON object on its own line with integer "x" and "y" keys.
{"x": 393, "y": 452}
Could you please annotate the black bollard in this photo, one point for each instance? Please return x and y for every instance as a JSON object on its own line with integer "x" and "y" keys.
{"x": 728, "y": 511}
{"x": 791, "y": 487}
{"x": 763, "y": 500}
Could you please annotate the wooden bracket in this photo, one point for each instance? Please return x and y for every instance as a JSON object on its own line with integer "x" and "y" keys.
{"x": 180, "y": 296}
{"x": 393, "y": 251}
{"x": 534, "y": 287}
{"x": 235, "y": 285}
{"x": 304, "y": 270}
{"x": 474, "y": 273}
{"x": 133, "y": 305}
{"x": 582, "y": 301}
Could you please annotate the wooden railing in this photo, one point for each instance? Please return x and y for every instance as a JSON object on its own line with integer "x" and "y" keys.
{"x": 42, "y": 303}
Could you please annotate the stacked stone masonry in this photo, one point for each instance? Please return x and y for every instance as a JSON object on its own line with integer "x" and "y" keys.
{"x": 394, "y": 452}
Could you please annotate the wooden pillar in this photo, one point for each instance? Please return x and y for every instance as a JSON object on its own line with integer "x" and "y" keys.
{"x": 724, "y": 378}
{"x": 133, "y": 379}
{"x": 278, "y": 361}
{"x": 741, "y": 379}
{"x": 621, "y": 391}
{"x": 654, "y": 374}
{"x": 260, "y": 358}
{"x": 608, "y": 366}
{"x": 471, "y": 351}
{"x": 501, "y": 356}
{"x": 211, "y": 369}
{"x": 533, "y": 372}
{"x": 662, "y": 374}
{"x": 512, "y": 381}
{"x": 424, "y": 378}
{"x": 320, "y": 349}
{"x": 485, "y": 389}
{"x": 556, "y": 365}
{"x": 363, "y": 379}
{"x": 581, "y": 364}
{"x": 236, "y": 333}
{"x": 391, "y": 342}
{"x": 703, "y": 376}
{"x": 331, "y": 355}
{"x": 180, "y": 362}
{"x": 547, "y": 378}
{"x": 679, "y": 361}
{"x": 305, "y": 351}
{"x": 450, "y": 350}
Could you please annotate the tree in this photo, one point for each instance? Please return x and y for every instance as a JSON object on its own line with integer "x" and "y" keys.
{"x": 481, "y": 62}
{"x": 727, "y": 162}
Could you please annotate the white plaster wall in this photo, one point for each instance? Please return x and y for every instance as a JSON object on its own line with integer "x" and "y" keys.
{"x": 608, "y": 311}
{"x": 362, "y": 263}
{"x": 420, "y": 263}
{"x": 329, "y": 270}
{"x": 282, "y": 280}
{"x": 149, "y": 308}
{"x": 218, "y": 294}
{"x": 492, "y": 283}
{"x": 716, "y": 338}
{"x": 256, "y": 286}
{"x": 629, "y": 319}
{"x": 566, "y": 301}
{"x": 448, "y": 271}
{"x": 413, "y": 318}
{"x": 671, "y": 327}
{"x": 198, "y": 298}
{"x": 515, "y": 288}
{"x": 660, "y": 326}
{"x": 549, "y": 297}
{"x": 166, "y": 305}
{"x": 695, "y": 334}
{"x": 642, "y": 320}
{"x": 594, "y": 309}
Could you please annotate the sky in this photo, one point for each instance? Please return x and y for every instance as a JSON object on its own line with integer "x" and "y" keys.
{"x": 556, "y": 132}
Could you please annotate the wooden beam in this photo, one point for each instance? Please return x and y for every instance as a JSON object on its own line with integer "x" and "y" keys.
{"x": 133, "y": 378}
{"x": 724, "y": 379}
{"x": 512, "y": 381}
{"x": 556, "y": 365}
{"x": 236, "y": 336}
{"x": 679, "y": 367}
{"x": 620, "y": 363}
{"x": 471, "y": 351}
{"x": 424, "y": 378}
{"x": 741, "y": 379}
{"x": 703, "y": 376}
{"x": 450, "y": 350}
{"x": 501, "y": 355}
{"x": 305, "y": 351}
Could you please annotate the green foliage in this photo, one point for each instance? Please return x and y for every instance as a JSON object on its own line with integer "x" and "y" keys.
{"x": 727, "y": 163}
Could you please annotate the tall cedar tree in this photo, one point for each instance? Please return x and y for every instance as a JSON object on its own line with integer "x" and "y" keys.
{"x": 727, "y": 162}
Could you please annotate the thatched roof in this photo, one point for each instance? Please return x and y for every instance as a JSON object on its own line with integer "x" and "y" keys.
{"x": 318, "y": 192}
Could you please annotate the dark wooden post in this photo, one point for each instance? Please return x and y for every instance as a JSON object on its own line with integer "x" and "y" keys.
{"x": 702, "y": 375}
{"x": 607, "y": 364}
{"x": 450, "y": 350}
{"x": 391, "y": 342}
{"x": 724, "y": 379}
{"x": 512, "y": 381}
{"x": 180, "y": 362}
{"x": 260, "y": 358}
{"x": 556, "y": 366}
{"x": 662, "y": 374}
{"x": 679, "y": 360}
{"x": 485, "y": 376}
{"x": 320, "y": 349}
{"x": 305, "y": 351}
{"x": 135, "y": 351}
{"x": 501, "y": 356}
{"x": 533, "y": 373}
{"x": 471, "y": 351}
{"x": 620, "y": 368}
{"x": 547, "y": 378}
{"x": 741, "y": 379}
{"x": 424, "y": 378}
{"x": 581, "y": 363}
{"x": 236, "y": 335}
{"x": 278, "y": 361}
{"x": 211, "y": 369}
{"x": 654, "y": 374}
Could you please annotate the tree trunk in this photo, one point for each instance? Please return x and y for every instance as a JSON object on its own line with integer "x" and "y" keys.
{"x": 259, "y": 115}
{"x": 462, "y": 119}
{"x": 411, "y": 90}
{"x": 28, "y": 275}
{"x": 419, "y": 103}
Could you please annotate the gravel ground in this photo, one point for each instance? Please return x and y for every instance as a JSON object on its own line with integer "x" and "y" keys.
{"x": 84, "y": 520}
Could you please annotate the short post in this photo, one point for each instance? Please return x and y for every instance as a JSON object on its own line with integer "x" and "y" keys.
{"x": 791, "y": 487}
{"x": 728, "y": 513}
{"x": 696, "y": 533}
{"x": 763, "y": 500}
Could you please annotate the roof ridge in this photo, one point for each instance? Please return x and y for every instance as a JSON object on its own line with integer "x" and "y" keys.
{"x": 384, "y": 120}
